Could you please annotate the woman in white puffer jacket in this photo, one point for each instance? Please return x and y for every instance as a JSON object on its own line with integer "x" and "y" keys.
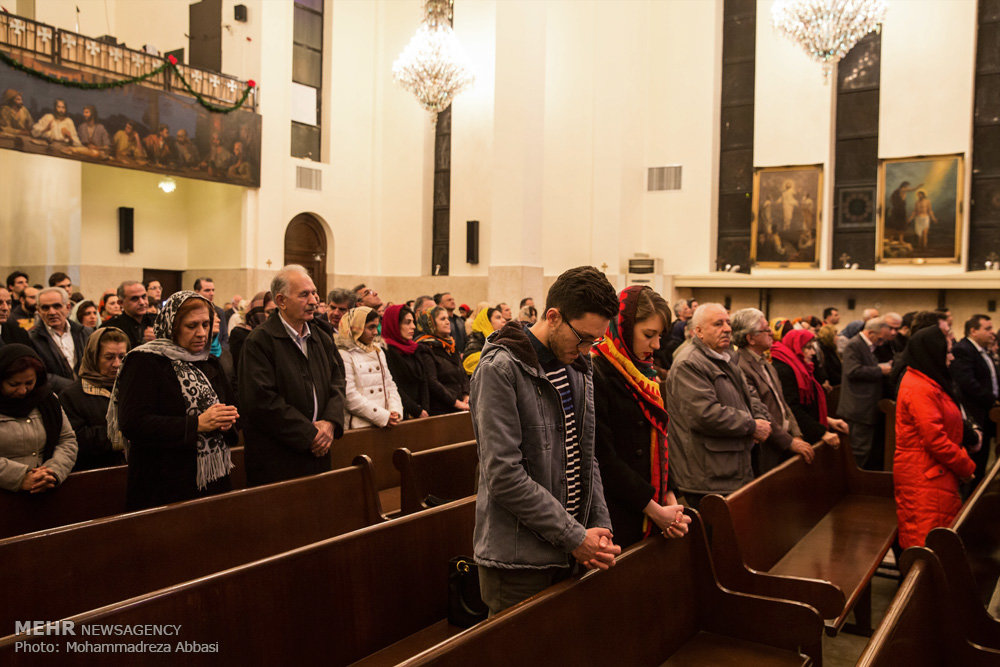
{"x": 372, "y": 397}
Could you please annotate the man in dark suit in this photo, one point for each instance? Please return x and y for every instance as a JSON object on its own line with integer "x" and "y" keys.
{"x": 976, "y": 375}
{"x": 135, "y": 320}
{"x": 10, "y": 332}
{"x": 754, "y": 337}
{"x": 58, "y": 340}
{"x": 861, "y": 387}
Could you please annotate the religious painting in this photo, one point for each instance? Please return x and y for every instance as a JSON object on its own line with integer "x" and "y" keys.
{"x": 920, "y": 211}
{"x": 787, "y": 207}
{"x": 133, "y": 126}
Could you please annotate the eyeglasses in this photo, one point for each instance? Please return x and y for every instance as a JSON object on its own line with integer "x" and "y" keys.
{"x": 763, "y": 331}
{"x": 581, "y": 343}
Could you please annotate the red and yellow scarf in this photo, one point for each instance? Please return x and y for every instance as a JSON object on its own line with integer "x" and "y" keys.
{"x": 639, "y": 377}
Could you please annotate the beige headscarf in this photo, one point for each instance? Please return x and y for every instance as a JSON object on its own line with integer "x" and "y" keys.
{"x": 352, "y": 325}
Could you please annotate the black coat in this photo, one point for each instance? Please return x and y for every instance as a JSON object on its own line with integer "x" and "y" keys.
{"x": 12, "y": 332}
{"x": 411, "y": 381}
{"x": 622, "y": 446}
{"x": 132, "y": 328}
{"x": 87, "y": 415}
{"x": 446, "y": 378}
{"x": 163, "y": 447}
{"x": 807, "y": 415}
{"x": 972, "y": 376}
{"x": 276, "y": 384}
{"x": 832, "y": 367}
{"x": 61, "y": 375}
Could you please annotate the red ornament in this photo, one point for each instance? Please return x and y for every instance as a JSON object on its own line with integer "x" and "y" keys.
{"x": 252, "y": 83}
{"x": 172, "y": 60}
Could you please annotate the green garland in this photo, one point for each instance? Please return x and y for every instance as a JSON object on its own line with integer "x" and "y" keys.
{"x": 171, "y": 64}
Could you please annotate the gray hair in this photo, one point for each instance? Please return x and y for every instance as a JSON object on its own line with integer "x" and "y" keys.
{"x": 63, "y": 296}
{"x": 127, "y": 283}
{"x": 680, "y": 306}
{"x": 341, "y": 295}
{"x": 699, "y": 316}
{"x": 745, "y": 323}
{"x": 895, "y": 317}
{"x": 875, "y": 323}
{"x": 280, "y": 282}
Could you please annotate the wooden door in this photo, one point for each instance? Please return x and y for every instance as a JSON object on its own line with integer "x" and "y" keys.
{"x": 305, "y": 244}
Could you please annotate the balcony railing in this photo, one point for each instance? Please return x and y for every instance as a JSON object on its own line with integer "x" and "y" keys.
{"x": 45, "y": 43}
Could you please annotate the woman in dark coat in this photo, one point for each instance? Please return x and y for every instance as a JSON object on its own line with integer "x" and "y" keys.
{"x": 793, "y": 360}
{"x": 178, "y": 441}
{"x": 632, "y": 423}
{"x": 401, "y": 355}
{"x": 86, "y": 400}
{"x": 449, "y": 384}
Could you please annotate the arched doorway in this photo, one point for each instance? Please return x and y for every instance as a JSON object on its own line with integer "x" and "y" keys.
{"x": 305, "y": 244}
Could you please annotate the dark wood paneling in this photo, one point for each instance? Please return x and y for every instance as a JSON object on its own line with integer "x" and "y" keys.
{"x": 734, "y": 213}
{"x": 857, "y": 160}
{"x": 986, "y": 150}
{"x": 441, "y": 230}
{"x": 984, "y": 209}
{"x": 737, "y": 127}
{"x": 857, "y": 114}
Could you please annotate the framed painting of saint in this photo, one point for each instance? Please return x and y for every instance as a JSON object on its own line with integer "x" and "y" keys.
{"x": 787, "y": 209}
{"x": 920, "y": 209}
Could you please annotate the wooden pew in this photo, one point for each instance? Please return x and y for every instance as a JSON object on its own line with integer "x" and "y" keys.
{"x": 660, "y": 605}
{"x": 380, "y": 444}
{"x": 52, "y": 575}
{"x": 921, "y": 627}
{"x": 888, "y": 408}
{"x": 815, "y": 533}
{"x": 335, "y": 601}
{"x": 447, "y": 473}
{"x": 85, "y": 495}
{"x": 93, "y": 494}
{"x": 969, "y": 551}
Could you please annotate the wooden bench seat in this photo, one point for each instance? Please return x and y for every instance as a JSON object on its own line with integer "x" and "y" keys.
{"x": 661, "y": 604}
{"x": 815, "y": 533}
{"x": 93, "y": 494}
{"x": 921, "y": 627}
{"x": 78, "y": 568}
{"x": 333, "y": 602}
{"x": 969, "y": 551}
{"x": 446, "y": 473}
{"x": 408, "y": 647}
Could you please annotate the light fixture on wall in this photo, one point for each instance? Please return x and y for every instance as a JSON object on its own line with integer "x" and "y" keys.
{"x": 827, "y": 29}
{"x": 167, "y": 184}
{"x": 433, "y": 66}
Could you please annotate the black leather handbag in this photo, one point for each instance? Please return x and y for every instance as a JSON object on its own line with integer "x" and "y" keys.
{"x": 465, "y": 605}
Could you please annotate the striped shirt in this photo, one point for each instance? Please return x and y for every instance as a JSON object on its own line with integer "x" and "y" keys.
{"x": 560, "y": 379}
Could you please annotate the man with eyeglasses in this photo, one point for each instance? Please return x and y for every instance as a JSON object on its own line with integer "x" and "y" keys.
{"x": 58, "y": 340}
{"x": 540, "y": 512}
{"x": 135, "y": 319}
{"x": 715, "y": 418}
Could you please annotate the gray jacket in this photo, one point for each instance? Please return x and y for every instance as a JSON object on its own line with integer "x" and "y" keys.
{"x": 861, "y": 383}
{"x": 22, "y": 443}
{"x": 517, "y": 416}
{"x": 712, "y": 413}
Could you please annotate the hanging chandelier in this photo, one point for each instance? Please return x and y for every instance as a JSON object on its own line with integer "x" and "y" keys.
{"x": 433, "y": 65}
{"x": 827, "y": 29}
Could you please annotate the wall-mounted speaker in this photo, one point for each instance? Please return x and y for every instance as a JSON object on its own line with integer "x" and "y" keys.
{"x": 728, "y": 302}
{"x": 240, "y": 13}
{"x": 851, "y": 303}
{"x": 472, "y": 241}
{"x": 126, "y": 233}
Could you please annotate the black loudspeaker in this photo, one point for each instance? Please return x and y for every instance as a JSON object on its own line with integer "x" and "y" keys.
{"x": 851, "y": 303}
{"x": 240, "y": 13}
{"x": 126, "y": 236}
{"x": 472, "y": 241}
{"x": 727, "y": 302}
{"x": 942, "y": 300}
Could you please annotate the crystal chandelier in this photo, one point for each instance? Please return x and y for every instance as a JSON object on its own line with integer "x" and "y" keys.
{"x": 433, "y": 65}
{"x": 827, "y": 29}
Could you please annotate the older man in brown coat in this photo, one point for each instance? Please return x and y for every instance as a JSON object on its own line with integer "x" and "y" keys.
{"x": 753, "y": 337}
{"x": 715, "y": 418}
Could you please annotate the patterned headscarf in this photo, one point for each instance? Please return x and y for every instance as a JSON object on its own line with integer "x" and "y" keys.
{"x": 90, "y": 362}
{"x": 352, "y": 326}
{"x": 214, "y": 459}
{"x": 639, "y": 376}
{"x": 428, "y": 331}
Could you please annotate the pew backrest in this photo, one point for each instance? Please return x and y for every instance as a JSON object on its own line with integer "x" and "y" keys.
{"x": 85, "y": 566}
{"x": 446, "y": 473}
{"x": 340, "y": 599}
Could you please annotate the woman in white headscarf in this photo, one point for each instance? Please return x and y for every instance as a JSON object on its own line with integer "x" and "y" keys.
{"x": 174, "y": 406}
{"x": 372, "y": 396}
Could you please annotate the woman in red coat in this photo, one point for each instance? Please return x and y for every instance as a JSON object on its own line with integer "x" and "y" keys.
{"x": 930, "y": 459}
